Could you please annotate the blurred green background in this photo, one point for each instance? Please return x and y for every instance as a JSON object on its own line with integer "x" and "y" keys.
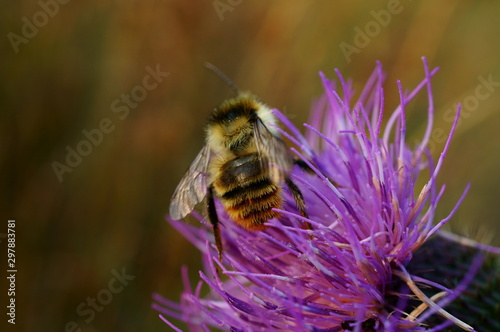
{"x": 64, "y": 76}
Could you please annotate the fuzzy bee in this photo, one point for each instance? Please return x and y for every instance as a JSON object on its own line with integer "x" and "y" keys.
{"x": 244, "y": 164}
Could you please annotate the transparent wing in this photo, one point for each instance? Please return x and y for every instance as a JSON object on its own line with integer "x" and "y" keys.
{"x": 192, "y": 188}
{"x": 276, "y": 151}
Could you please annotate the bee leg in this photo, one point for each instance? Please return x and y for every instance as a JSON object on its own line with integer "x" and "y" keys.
{"x": 302, "y": 164}
{"x": 299, "y": 199}
{"x": 214, "y": 220}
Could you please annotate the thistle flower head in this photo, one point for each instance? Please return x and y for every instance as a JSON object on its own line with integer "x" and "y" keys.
{"x": 367, "y": 216}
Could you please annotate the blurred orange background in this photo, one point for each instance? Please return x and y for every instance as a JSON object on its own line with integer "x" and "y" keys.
{"x": 107, "y": 214}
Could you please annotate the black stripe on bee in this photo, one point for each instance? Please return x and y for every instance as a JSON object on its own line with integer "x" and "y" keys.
{"x": 241, "y": 171}
{"x": 261, "y": 203}
{"x": 249, "y": 190}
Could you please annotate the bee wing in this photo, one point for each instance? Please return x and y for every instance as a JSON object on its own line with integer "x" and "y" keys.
{"x": 275, "y": 149}
{"x": 192, "y": 188}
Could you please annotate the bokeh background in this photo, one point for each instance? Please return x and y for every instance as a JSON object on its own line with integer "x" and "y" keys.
{"x": 108, "y": 213}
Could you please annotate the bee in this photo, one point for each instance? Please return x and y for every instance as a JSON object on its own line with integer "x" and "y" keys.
{"x": 244, "y": 164}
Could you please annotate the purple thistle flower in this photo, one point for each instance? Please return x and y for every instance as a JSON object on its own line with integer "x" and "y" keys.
{"x": 368, "y": 219}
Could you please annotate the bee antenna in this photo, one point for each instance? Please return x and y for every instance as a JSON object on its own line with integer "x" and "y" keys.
{"x": 221, "y": 75}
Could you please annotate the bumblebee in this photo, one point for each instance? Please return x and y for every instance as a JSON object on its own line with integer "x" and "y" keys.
{"x": 244, "y": 163}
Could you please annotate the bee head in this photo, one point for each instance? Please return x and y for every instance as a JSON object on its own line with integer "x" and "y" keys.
{"x": 231, "y": 125}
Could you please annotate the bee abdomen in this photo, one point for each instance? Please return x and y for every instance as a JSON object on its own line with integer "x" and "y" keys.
{"x": 252, "y": 190}
{"x": 252, "y": 204}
